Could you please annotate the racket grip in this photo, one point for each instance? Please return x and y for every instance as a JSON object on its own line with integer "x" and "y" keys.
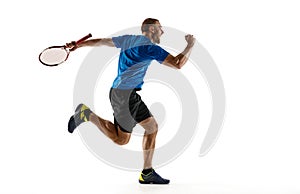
{"x": 84, "y": 38}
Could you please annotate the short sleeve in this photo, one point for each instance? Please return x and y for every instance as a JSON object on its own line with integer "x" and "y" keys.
{"x": 119, "y": 40}
{"x": 159, "y": 54}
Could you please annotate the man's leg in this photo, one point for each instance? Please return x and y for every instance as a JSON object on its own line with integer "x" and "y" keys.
{"x": 151, "y": 129}
{"x": 148, "y": 175}
{"x": 84, "y": 114}
{"x": 108, "y": 128}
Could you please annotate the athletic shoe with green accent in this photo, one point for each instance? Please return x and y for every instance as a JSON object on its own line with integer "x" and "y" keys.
{"x": 152, "y": 178}
{"x": 82, "y": 113}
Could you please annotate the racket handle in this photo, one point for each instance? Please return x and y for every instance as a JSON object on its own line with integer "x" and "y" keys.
{"x": 83, "y": 38}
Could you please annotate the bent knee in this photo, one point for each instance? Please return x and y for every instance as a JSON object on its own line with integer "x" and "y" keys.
{"x": 122, "y": 141}
{"x": 150, "y": 125}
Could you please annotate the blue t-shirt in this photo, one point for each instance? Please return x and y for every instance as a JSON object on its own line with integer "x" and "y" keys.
{"x": 137, "y": 52}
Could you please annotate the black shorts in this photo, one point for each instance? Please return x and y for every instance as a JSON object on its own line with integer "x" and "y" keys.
{"x": 129, "y": 108}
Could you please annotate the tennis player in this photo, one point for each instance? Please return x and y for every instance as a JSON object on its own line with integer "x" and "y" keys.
{"x": 137, "y": 52}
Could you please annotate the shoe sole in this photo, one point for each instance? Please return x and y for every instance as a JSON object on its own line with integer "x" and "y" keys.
{"x": 152, "y": 183}
{"x": 71, "y": 124}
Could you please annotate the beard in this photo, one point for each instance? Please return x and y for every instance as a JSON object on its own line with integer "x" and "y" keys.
{"x": 156, "y": 39}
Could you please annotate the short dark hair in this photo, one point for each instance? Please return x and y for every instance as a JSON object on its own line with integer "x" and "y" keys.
{"x": 147, "y": 22}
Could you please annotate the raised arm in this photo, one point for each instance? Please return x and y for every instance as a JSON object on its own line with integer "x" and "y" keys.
{"x": 179, "y": 61}
{"x": 93, "y": 42}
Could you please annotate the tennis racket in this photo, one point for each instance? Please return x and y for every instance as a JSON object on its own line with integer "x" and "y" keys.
{"x": 56, "y": 55}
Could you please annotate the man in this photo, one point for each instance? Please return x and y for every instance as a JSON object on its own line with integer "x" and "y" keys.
{"x": 137, "y": 52}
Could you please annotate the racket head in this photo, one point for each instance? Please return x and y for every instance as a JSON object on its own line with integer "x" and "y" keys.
{"x": 54, "y": 55}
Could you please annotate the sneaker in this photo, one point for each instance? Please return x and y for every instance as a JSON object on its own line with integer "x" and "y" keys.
{"x": 152, "y": 178}
{"x": 82, "y": 113}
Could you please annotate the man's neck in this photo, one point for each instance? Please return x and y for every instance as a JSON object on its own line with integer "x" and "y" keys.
{"x": 148, "y": 35}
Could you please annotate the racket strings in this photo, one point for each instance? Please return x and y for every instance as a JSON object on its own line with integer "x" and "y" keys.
{"x": 54, "y": 56}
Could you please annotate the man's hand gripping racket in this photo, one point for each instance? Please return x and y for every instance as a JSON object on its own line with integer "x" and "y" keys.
{"x": 56, "y": 55}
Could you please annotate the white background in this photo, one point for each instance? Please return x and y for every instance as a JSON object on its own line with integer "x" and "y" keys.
{"x": 255, "y": 45}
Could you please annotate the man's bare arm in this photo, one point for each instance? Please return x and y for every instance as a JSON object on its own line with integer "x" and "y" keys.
{"x": 93, "y": 42}
{"x": 180, "y": 60}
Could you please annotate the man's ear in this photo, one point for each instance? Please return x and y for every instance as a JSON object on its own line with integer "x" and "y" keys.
{"x": 151, "y": 29}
